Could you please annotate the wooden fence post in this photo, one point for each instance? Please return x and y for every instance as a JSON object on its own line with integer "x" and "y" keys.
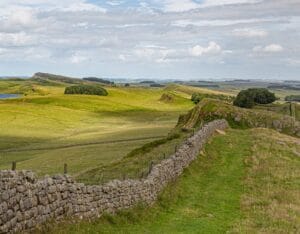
{"x": 65, "y": 168}
{"x": 150, "y": 167}
{"x": 14, "y": 166}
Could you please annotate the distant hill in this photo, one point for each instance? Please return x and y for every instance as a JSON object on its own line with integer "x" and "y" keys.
{"x": 99, "y": 80}
{"x": 147, "y": 82}
{"x": 240, "y": 80}
{"x": 283, "y": 86}
{"x": 210, "y": 85}
{"x": 292, "y": 81}
{"x": 44, "y": 77}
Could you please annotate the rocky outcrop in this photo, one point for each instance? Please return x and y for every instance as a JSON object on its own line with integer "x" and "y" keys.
{"x": 210, "y": 109}
{"x": 26, "y": 201}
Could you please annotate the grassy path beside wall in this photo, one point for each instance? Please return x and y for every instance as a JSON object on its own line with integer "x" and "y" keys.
{"x": 206, "y": 199}
{"x": 246, "y": 181}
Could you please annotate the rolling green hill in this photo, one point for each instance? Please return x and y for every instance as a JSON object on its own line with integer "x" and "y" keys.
{"x": 39, "y": 76}
{"x": 45, "y": 129}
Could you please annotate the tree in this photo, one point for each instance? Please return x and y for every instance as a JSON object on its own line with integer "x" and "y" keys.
{"x": 244, "y": 99}
{"x": 263, "y": 96}
{"x": 292, "y": 98}
{"x": 86, "y": 89}
{"x": 248, "y": 98}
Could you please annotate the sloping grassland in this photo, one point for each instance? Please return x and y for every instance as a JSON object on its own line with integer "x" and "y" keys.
{"x": 45, "y": 129}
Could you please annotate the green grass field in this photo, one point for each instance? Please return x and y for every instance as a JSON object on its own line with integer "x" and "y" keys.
{"x": 246, "y": 181}
{"x": 45, "y": 129}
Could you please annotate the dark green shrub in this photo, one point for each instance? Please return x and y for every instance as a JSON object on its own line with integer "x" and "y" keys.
{"x": 147, "y": 82}
{"x": 244, "y": 99}
{"x": 156, "y": 85}
{"x": 197, "y": 97}
{"x": 95, "y": 79}
{"x": 86, "y": 89}
{"x": 248, "y": 98}
{"x": 263, "y": 96}
{"x": 292, "y": 98}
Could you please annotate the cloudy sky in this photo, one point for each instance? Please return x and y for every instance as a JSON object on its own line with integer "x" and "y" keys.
{"x": 180, "y": 39}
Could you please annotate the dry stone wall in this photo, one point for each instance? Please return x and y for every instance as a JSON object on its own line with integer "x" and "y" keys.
{"x": 26, "y": 201}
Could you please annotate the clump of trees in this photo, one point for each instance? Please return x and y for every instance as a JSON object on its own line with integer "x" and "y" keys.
{"x": 197, "y": 97}
{"x": 147, "y": 82}
{"x": 248, "y": 98}
{"x": 292, "y": 98}
{"x": 99, "y": 80}
{"x": 86, "y": 89}
{"x": 155, "y": 85}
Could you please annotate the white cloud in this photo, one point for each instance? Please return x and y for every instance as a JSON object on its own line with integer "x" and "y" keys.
{"x": 82, "y": 6}
{"x": 249, "y": 32}
{"x": 294, "y": 62}
{"x": 143, "y": 32}
{"x": 158, "y": 54}
{"x": 221, "y": 22}
{"x": 37, "y": 53}
{"x": 150, "y": 51}
{"x": 76, "y": 59}
{"x": 187, "y": 5}
{"x": 211, "y": 3}
{"x": 212, "y": 49}
{"x": 114, "y": 3}
{"x": 22, "y": 16}
{"x": 272, "y": 48}
{"x": 145, "y": 53}
{"x": 179, "y": 5}
{"x": 16, "y": 18}
{"x": 122, "y": 57}
{"x": 16, "y": 39}
{"x": 9, "y": 7}
{"x": 144, "y": 4}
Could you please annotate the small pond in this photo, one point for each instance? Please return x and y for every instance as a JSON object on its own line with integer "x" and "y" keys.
{"x": 6, "y": 96}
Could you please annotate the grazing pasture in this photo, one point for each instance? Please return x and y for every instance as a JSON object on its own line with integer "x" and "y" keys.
{"x": 120, "y": 135}
{"x": 45, "y": 129}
